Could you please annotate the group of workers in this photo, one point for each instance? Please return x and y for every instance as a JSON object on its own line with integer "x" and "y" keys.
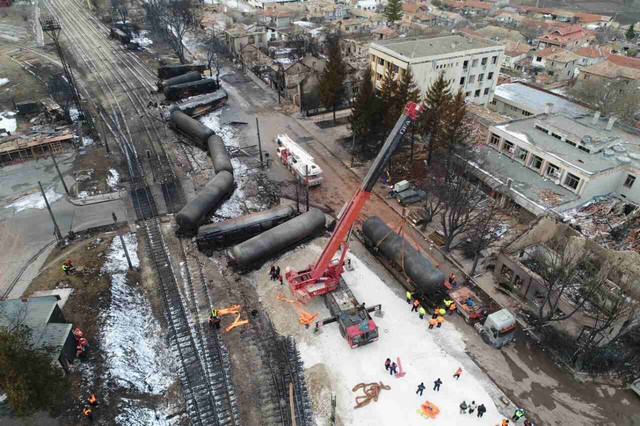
{"x": 92, "y": 403}
{"x": 437, "y": 319}
{"x": 517, "y": 415}
{"x": 274, "y": 273}
{"x": 81, "y": 342}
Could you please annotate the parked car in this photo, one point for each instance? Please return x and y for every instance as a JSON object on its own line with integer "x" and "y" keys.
{"x": 411, "y": 196}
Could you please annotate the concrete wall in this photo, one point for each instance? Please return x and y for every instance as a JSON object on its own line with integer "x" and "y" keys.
{"x": 452, "y": 65}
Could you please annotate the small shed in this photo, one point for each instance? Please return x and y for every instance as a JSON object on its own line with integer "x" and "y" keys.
{"x": 46, "y": 321}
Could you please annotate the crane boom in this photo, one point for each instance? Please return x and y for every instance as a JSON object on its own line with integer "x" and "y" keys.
{"x": 324, "y": 276}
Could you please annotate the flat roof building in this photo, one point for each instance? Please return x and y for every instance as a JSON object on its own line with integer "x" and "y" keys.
{"x": 520, "y": 100}
{"x": 469, "y": 63}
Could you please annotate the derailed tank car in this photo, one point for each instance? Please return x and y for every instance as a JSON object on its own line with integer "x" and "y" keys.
{"x": 184, "y": 78}
{"x": 120, "y": 35}
{"x": 184, "y": 90}
{"x": 195, "y": 212}
{"x": 241, "y": 228}
{"x": 251, "y": 253}
{"x": 191, "y": 127}
{"x": 402, "y": 257}
{"x": 219, "y": 155}
{"x": 168, "y": 71}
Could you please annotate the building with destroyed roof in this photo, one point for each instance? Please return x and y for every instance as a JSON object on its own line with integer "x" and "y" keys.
{"x": 551, "y": 163}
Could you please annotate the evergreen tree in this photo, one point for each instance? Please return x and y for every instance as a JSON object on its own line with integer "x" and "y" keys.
{"x": 407, "y": 89}
{"x": 27, "y": 375}
{"x": 393, "y": 10}
{"x": 454, "y": 131}
{"x": 436, "y": 101}
{"x": 365, "y": 112}
{"x": 332, "y": 79}
{"x": 390, "y": 102}
{"x": 631, "y": 33}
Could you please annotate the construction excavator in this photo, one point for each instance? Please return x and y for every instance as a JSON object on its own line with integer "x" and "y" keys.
{"x": 325, "y": 276}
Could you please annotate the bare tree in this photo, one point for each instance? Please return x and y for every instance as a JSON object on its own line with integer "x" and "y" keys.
{"x": 481, "y": 234}
{"x": 215, "y": 50}
{"x": 179, "y": 18}
{"x": 611, "y": 97}
{"x": 120, "y": 9}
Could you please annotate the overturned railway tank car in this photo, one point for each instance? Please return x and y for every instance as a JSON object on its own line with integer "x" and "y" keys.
{"x": 184, "y": 78}
{"x": 191, "y": 127}
{"x": 254, "y": 251}
{"x": 403, "y": 257}
{"x": 241, "y": 228}
{"x": 168, "y": 71}
{"x": 195, "y": 212}
{"x": 192, "y": 88}
{"x": 219, "y": 155}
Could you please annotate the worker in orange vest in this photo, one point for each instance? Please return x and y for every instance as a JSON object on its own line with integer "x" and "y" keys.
{"x": 432, "y": 322}
{"x": 436, "y": 312}
{"x": 92, "y": 400}
{"x": 458, "y": 373}
{"x": 440, "y": 320}
{"x": 86, "y": 411}
{"x": 505, "y": 422}
{"x": 416, "y": 304}
{"x": 452, "y": 307}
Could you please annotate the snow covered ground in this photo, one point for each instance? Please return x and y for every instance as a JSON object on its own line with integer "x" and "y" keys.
{"x": 7, "y": 122}
{"x": 3, "y": 81}
{"x": 135, "y": 353}
{"x": 423, "y": 358}
{"x": 35, "y": 200}
{"x": 113, "y": 179}
{"x": 142, "y": 41}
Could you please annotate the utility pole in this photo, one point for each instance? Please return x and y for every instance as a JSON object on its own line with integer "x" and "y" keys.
{"x": 306, "y": 183}
{"x": 259, "y": 143}
{"x": 52, "y": 28}
{"x": 124, "y": 246}
{"x": 353, "y": 148}
{"x": 64, "y": 184}
{"x": 56, "y": 230}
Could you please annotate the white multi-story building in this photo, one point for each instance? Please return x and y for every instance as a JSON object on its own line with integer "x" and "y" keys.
{"x": 471, "y": 64}
{"x": 552, "y": 163}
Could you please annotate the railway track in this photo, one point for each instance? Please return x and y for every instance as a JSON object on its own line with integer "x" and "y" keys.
{"x": 204, "y": 365}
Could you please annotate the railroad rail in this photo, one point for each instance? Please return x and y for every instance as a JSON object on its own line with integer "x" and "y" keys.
{"x": 197, "y": 367}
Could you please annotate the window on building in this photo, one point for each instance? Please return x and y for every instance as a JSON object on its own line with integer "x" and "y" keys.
{"x": 484, "y": 61}
{"x": 522, "y": 154}
{"x": 582, "y": 148}
{"x": 539, "y": 58}
{"x": 555, "y": 135}
{"x": 542, "y": 129}
{"x": 536, "y": 163}
{"x": 553, "y": 170}
{"x": 494, "y": 60}
{"x": 629, "y": 181}
{"x": 507, "y": 148}
{"x": 474, "y": 63}
{"x": 395, "y": 68}
{"x": 472, "y": 79}
{"x": 571, "y": 181}
{"x": 252, "y": 39}
{"x": 461, "y": 81}
{"x": 380, "y": 61}
{"x": 570, "y": 142}
{"x": 480, "y": 78}
{"x": 494, "y": 102}
{"x": 467, "y": 94}
{"x": 490, "y": 76}
{"x": 486, "y": 91}
{"x": 526, "y": 113}
{"x": 465, "y": 64}
{"x": 379, "y": 76}
{"x": 494, "y": 139}
{"x": 476, "y": 94}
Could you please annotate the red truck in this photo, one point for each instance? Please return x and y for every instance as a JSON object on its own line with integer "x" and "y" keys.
{"x": 471, "y": 313}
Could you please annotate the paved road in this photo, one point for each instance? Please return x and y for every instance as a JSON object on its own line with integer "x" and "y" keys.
{"x": 25, "y": 233}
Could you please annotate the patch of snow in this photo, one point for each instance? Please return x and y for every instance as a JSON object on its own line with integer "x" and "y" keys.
{"x": 142, "y": 40}
{"x": 425, "y": 356}
{"x": 74, "y": 114}
{"x": 35, "y": 201}
{"x": 3, "y": 81}
{"x": 3, "y": 397}
{"x": 284, "y": 61}
{"x": 87, "y": 141}
{"x": 113, "y": 179}
{"x": 83, "y": 194}
{"x": 7, "y": 122}
{"x": 131, "y": 340}
{"x": 226, "y": 132}
{"x": 131, "y": 412}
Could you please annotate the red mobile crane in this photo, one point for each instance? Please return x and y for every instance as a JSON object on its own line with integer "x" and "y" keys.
{"x": 324, "y": 276}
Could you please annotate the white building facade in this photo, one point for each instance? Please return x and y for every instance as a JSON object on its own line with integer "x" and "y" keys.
{"x": 470, "y": 64}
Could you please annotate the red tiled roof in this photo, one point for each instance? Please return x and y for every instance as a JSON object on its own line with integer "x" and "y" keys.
{"x": 479, "y": 4}
{"x": 625, "y": 61}
{"x": 410, "y": 7}
{"x": 590, "y": 52}
{"x": 456, "y": 4}
{"x": 586, "y": 18}
{"x": 573, "y": 32}
{"x": 556, "y": 54}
